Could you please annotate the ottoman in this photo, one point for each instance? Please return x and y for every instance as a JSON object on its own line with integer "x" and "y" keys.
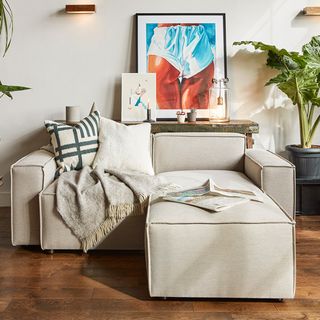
{"x": 247, "y": 251}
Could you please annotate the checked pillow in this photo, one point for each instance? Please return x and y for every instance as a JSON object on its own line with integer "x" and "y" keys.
{"x": 74, "y": 146}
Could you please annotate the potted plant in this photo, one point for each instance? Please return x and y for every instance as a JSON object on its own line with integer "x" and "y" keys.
{"x": 181, "y": 116}
{"x": 6, "y": 31}
{"x": 299, "y": 78}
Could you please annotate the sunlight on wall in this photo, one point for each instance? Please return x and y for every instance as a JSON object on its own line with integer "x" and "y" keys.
{"x": 281, "y": 25}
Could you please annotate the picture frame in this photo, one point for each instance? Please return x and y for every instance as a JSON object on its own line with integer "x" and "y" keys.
{"x": 186, "y": 51}
{"x": 138, "y": 97}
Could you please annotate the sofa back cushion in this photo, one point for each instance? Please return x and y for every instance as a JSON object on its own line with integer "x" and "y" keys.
{"x": 124, "y": 148}
{"x": 198, "y": 151}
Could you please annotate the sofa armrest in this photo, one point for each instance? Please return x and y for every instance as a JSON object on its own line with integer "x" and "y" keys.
{"x": 275, "y": 176}
{"x": 29, "y": 176}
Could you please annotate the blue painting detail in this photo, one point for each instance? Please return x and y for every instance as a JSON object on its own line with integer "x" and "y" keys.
{"x": 149, "y": 33}
{"x": 189, "y": 48}
{"x": 210, "y": 29}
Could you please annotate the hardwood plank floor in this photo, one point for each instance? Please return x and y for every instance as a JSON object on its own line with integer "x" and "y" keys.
{"x": 113, "y": 285}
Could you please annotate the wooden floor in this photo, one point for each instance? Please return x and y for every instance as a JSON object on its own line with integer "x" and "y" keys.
{"x": 105, "y": 285}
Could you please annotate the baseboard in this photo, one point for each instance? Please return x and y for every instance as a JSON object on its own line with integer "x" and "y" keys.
{"x": 5, "y": 200}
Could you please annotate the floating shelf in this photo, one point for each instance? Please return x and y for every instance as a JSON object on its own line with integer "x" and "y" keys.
{"x": 311, "y": 11}
{"x": 80, "y": 8}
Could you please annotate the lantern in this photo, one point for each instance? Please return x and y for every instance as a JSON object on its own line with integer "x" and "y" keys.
{"x": 218, "y": 101}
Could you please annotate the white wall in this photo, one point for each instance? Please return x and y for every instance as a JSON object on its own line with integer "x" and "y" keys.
{"x": 78, "y": 59}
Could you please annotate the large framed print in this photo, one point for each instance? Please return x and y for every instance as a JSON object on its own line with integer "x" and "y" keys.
{"x": 185, "y": 51}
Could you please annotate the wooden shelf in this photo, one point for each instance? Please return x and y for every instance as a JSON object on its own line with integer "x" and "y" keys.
{"x": 238, "y": 126}
{"x": 311, "y": 11}
{"x": 246, "y": 127}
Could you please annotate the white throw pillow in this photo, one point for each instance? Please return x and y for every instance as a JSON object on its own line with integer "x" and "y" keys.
{"x": 124, "y": 148}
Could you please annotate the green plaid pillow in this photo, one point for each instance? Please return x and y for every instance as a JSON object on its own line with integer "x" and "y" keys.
{"x": 74, "y": 146}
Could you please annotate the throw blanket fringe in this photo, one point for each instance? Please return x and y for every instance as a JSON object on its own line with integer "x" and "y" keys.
{"x": 117, "y": 214}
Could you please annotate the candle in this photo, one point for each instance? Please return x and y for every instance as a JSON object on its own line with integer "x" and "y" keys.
{"x": 72, "y": 115}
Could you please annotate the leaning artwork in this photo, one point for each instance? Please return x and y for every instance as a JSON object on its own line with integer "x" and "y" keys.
{"x": 185, "y": 52}
{"x": 138, "y": 97}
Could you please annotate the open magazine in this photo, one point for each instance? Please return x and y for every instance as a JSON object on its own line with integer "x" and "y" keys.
{"x": 211, "y": 197}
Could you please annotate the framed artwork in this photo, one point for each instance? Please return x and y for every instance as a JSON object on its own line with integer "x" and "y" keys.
{"x": 138, "y": 96}
{"x": 185, "y": 51}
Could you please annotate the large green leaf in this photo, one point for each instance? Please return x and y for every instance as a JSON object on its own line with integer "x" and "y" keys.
{"x": 264, "y": 47}
{"x": 311, "y": 53}
{"x": 296, "y": 84}
{"x": 280, "y": 59}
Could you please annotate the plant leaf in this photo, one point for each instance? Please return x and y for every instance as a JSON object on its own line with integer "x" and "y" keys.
{"x": 6, "y": 24}
{"x": 315, "y": 101}
{"x": 311, "y": 53}
{"x": 299, "y": 83}
{"x": 277, "y": 58}
{"x": 6, "y": 89}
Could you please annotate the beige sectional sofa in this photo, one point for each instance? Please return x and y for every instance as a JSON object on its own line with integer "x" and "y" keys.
{"x": 247, "y": 251}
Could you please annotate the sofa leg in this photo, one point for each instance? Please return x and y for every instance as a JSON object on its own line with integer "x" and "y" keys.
{"x": 164, "y": 298}
{"x": 280, "y": 300}
{"x": 51, "y": 251}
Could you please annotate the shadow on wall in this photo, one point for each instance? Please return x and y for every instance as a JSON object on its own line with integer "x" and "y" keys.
{"x": 266, "y": 105}
{"x": 116, "y": 114}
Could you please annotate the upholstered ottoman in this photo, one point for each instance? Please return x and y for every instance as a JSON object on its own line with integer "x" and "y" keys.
{"x": 247, "y": 251}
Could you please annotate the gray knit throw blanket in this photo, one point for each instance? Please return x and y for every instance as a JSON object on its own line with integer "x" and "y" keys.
{"x": 93, "y": 202}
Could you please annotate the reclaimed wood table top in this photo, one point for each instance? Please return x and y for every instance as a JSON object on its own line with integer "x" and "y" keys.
{"x": 238, "y": 126}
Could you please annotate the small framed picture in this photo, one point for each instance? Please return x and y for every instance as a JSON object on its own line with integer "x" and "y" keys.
{"x": 138, "y": 97}
{"x": 186, "y": 51}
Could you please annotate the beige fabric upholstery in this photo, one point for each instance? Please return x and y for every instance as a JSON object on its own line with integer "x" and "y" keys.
{"x": 274, "y": 175}
{"x": 200, "y": 150}
{"x": 247, "y": 251}
{"x": 172, "y": 151}
{"x": 250, "y": 212}
{"x": 29, "y": 176}
{"x": 129, "y": 235}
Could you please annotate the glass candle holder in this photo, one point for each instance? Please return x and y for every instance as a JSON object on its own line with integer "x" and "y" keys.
{"x": 218, "y": 101}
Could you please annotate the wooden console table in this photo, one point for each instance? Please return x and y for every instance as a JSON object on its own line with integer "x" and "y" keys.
{"x": 246, "y": 127}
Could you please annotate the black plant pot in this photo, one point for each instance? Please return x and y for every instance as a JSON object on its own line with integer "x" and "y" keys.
{"x": 306, "y": 160}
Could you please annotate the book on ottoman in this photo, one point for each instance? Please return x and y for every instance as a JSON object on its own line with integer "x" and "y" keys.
{"x": 212, "y": 197}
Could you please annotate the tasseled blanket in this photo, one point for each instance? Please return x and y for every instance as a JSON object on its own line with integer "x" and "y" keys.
{"x": 92, "y": 202}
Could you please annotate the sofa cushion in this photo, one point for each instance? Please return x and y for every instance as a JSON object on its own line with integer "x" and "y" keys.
{"x": 198, "y": 150}
{"x": 74, "y": 146}
{"x": 250, "y": 212}
{"x": 124, "y": 148}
